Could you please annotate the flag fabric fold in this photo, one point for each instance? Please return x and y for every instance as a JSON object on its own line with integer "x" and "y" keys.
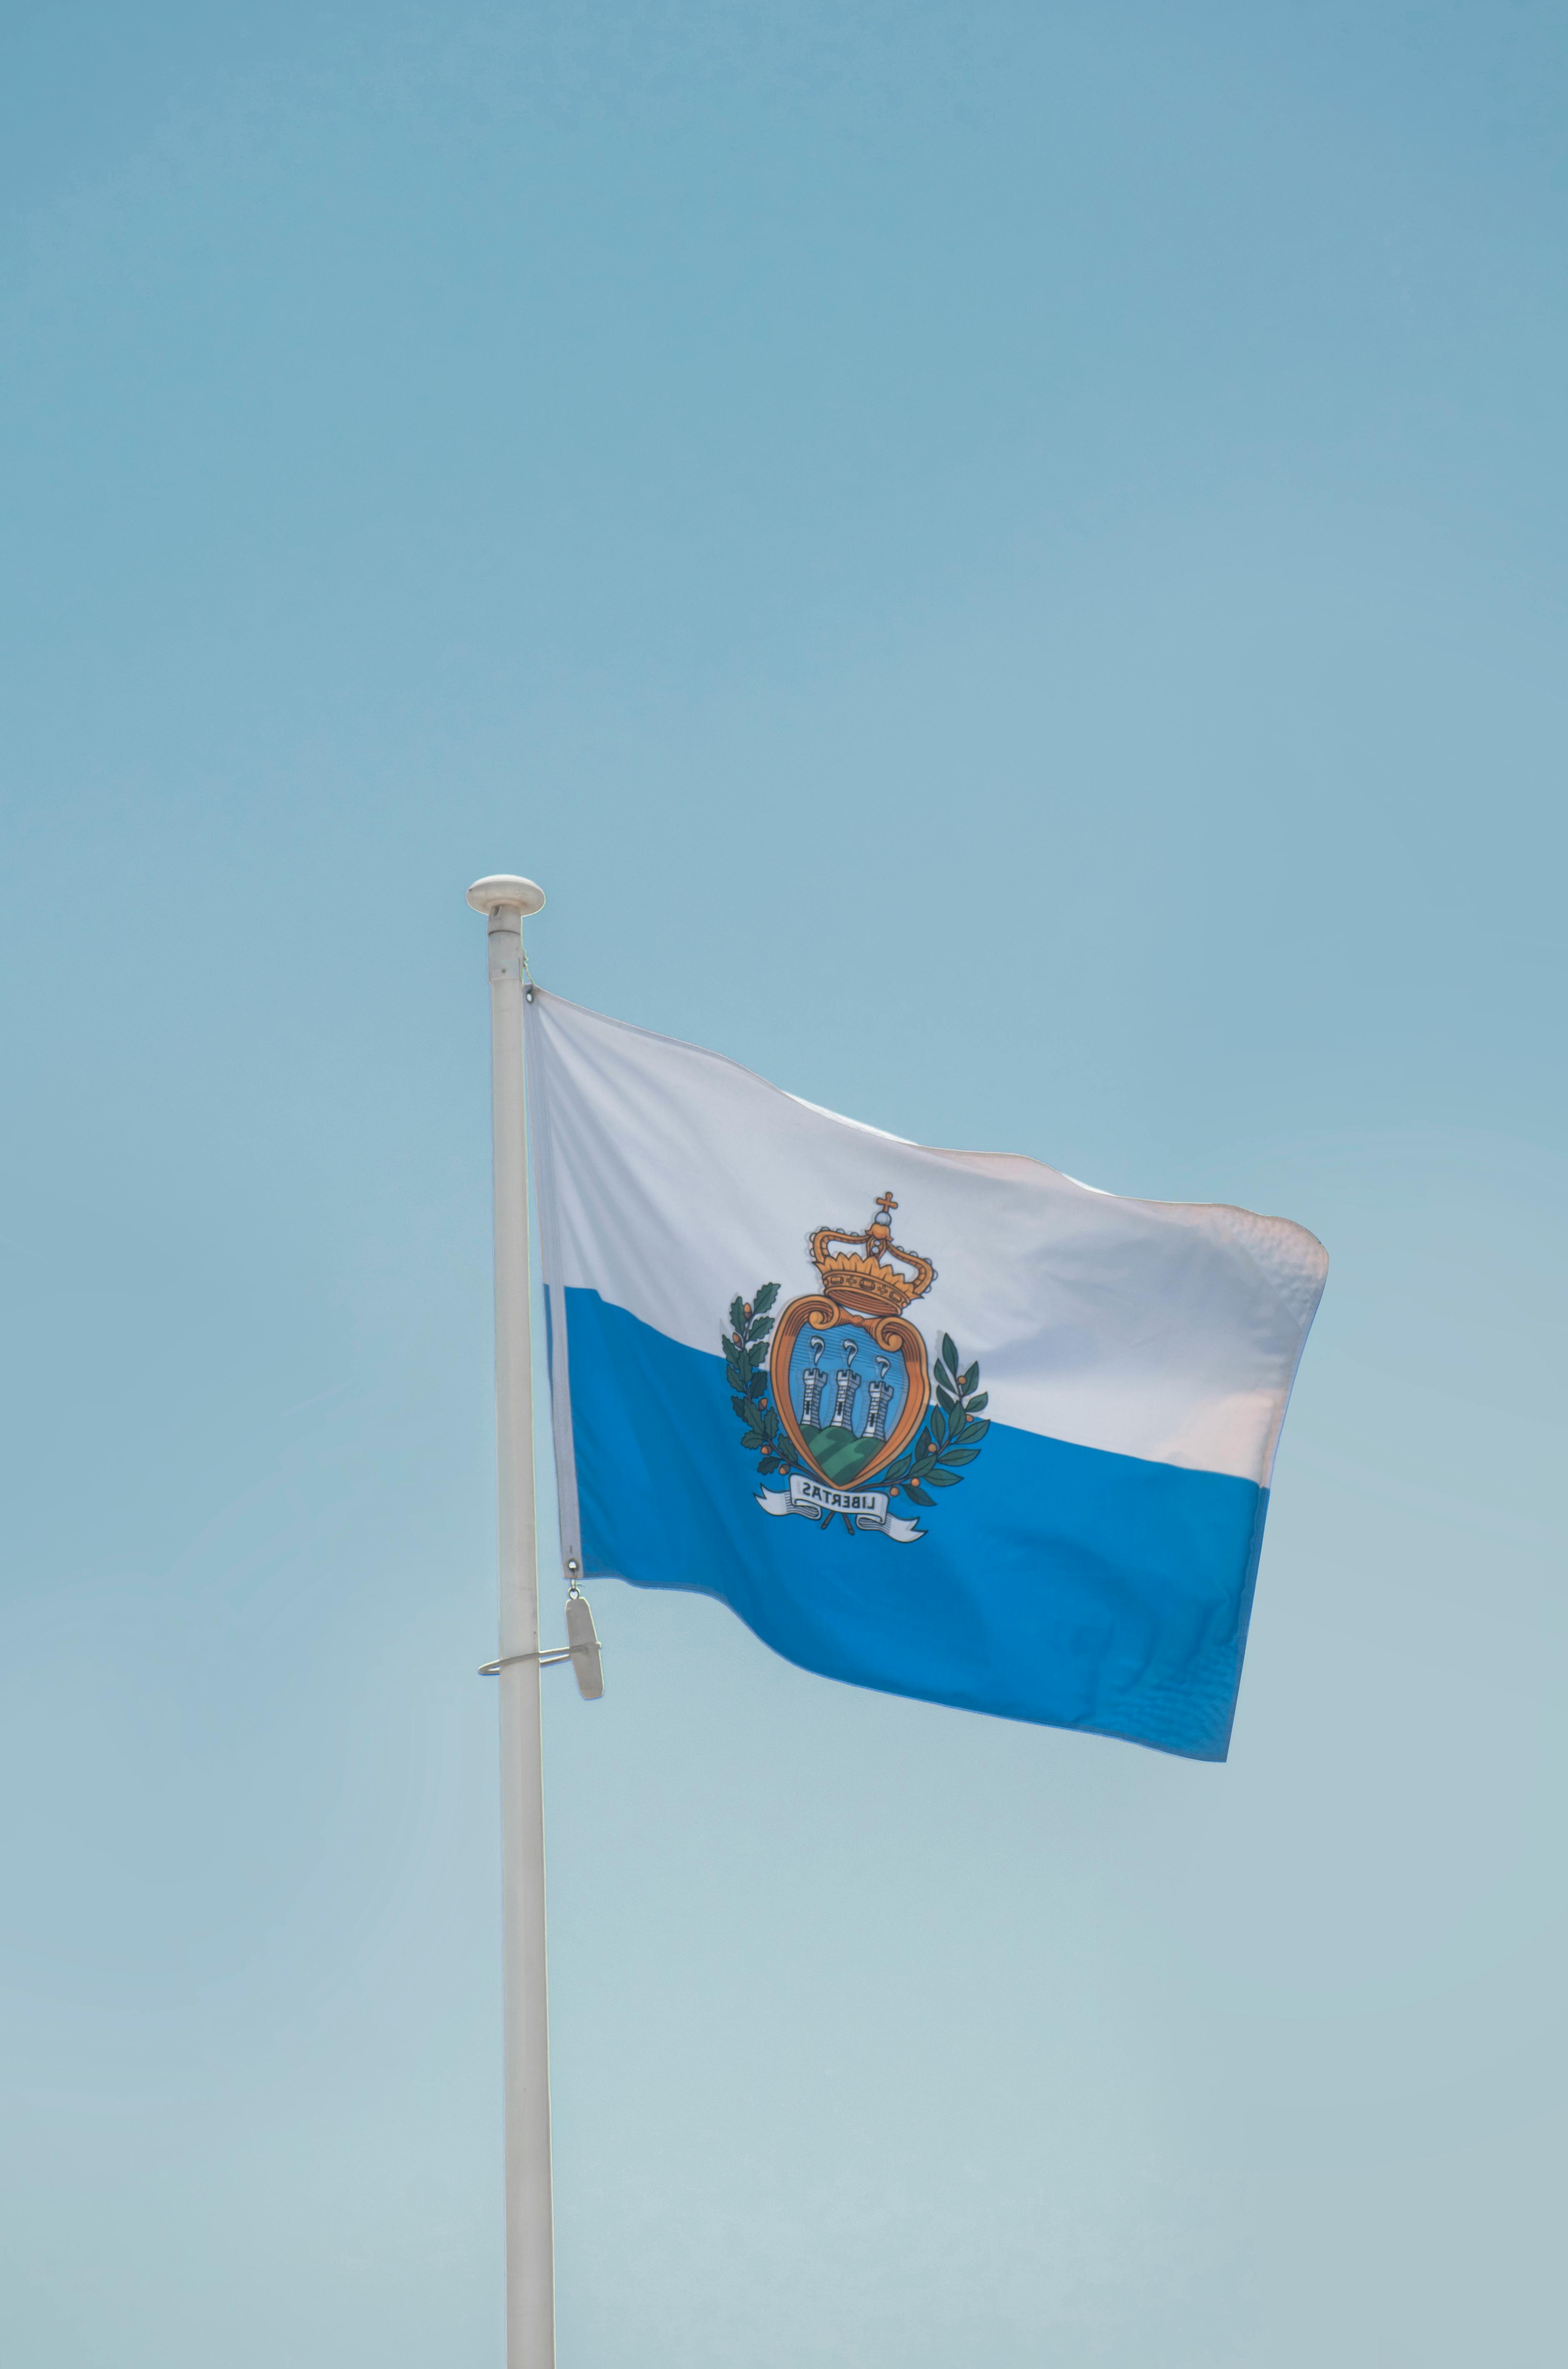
{"x": 947, "y": 1424}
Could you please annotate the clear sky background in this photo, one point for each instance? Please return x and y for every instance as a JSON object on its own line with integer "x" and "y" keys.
{"x": 1005, "y": 565}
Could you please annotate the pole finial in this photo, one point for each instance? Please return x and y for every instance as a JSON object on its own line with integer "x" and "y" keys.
{"x": 504, "y": 888}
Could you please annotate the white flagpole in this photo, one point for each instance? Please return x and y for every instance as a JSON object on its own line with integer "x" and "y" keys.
{"x": 530, "y": 2276}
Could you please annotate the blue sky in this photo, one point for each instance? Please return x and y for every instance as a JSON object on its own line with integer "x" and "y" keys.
{"x": 1064, "y": 505}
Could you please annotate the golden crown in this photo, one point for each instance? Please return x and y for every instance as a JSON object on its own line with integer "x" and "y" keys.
{"x": 858, "y": 1277}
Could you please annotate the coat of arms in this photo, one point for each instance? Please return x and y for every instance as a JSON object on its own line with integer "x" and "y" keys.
{"x": 843, "y": 1401}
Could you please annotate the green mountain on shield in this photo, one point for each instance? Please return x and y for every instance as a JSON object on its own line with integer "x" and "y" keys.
{"x": 840, "y": 1455}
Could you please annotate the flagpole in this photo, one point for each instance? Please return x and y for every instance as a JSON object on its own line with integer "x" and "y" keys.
{"x": 531, "y": 2281}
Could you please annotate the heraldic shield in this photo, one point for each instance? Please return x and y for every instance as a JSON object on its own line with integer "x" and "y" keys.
{"x": 839, "y": 1397}
{"x": 851, "y": 1378}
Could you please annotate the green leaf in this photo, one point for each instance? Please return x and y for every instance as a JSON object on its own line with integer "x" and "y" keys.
{"x": 761, "y": 1327}
{"x": 738, "y": 1315}
{"x": 923, "y": 1463}
{"x": 959, "y": 1455}
{"x": 741, "y": 1409}
{"x": 949, "y": 1353}
{"x": 973, "y": 1406}
{"x": 944, "y": 1380}
{"x": 946, "y": 1400}
{"x": 917, "y": 1496}
{"x": 753, "y": 1439}
{"x": 769, "y": 1464}
{"x": 896, "y": 1471}
{"x": 770, "y": 1422}
{"x": 765, "y": 1298}
{"x": 973, "y": 1431}
{"x": 941, "y": 1480}
{"x": 972, "y": 1377}
{"x": 937, "y": 1426}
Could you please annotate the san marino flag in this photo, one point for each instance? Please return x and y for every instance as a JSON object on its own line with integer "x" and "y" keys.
{"x": 945, "y": 1423}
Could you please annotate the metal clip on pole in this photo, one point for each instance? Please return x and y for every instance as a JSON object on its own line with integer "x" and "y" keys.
{"x": 582, "y": 1652}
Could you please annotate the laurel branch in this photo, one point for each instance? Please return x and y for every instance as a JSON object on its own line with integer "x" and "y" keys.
{"x": 950, "y": 1435}
{"x": 745, "y": 1349}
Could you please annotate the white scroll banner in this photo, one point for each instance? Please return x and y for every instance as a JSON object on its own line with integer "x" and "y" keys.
{"x": 868, "y": 1508}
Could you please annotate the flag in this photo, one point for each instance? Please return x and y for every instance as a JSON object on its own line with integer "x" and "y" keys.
{"x": 947, "y": 1423}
